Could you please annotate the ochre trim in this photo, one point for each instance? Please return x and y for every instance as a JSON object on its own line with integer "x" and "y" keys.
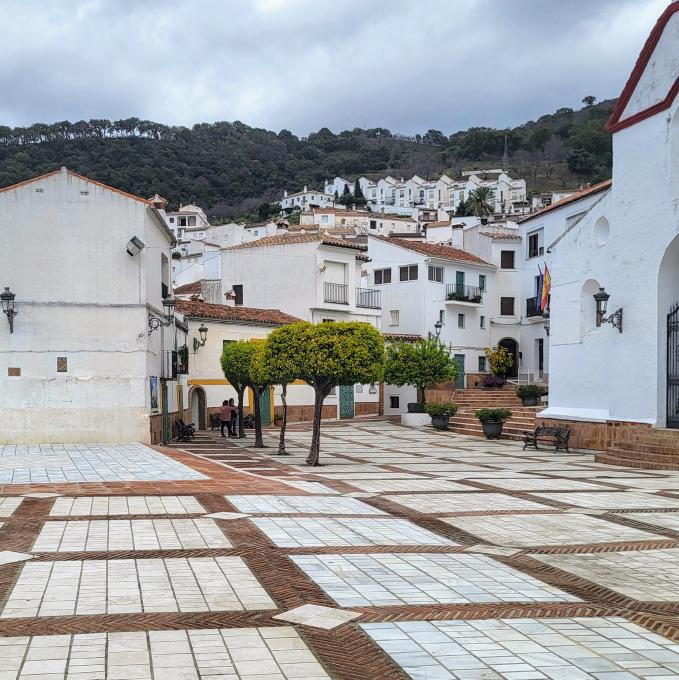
{"x": 614, "y": 122}
{"x": 208, "y": 381}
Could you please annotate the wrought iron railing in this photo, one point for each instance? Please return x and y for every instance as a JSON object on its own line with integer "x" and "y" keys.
{"x": 336, "y": 292}
{"x": 368, "y": 297}
{"x": 462, "y": 293}
{"x": 532, "y": 307}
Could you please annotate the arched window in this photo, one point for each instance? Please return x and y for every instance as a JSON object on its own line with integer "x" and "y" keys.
{"x": 602, "y": 230}
{"x": 588, "y": 307}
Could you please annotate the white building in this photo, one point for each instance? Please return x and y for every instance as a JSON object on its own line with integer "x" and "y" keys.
{"x": 361, "y": 221}
{"x": 610, "y": 380}
{"x": 311, "y": 276}
{"x": 88, "y": 360}
{"x": 423, "y": 283}
{"x": 314, "y": 198}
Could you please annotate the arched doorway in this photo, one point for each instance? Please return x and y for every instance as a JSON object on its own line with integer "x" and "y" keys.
{"x": 668, "y": 337}
{"x": 198, "y": 408}
{"x": 512, "y": 346}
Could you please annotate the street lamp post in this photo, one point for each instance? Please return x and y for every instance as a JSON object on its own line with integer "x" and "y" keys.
{"x": 7, "y": 299}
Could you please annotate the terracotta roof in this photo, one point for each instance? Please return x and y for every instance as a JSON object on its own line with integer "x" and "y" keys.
{"x": 401, "y": 337}
{"x": 292, "y": 239}
{"x": 501, "y": 234}
{"x": 76, "y": 175}
{"x": 206, "y": 310}
{"x": 577, "y": 196}
{"x": 189, "y": 288}
{"x": 437, "y": 250}
{"x": 440, "y": 223}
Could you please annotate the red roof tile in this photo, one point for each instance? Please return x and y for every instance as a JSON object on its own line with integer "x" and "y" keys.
{"x": 206, "y": 310}
{"x": 501, "y": 234}
{"x": 436, "y": 250}
{"x": 189, "y": 288}
{"x": 589, "y": 191}
{"x": 292, "y": 239}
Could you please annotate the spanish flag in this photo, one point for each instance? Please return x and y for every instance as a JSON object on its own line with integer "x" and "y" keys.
{"x": 546, "y": 289}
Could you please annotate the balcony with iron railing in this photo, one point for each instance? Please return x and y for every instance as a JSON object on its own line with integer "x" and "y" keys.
{"x": 337, "y": 293}
{"x": 532, "y": 307}
{"x": 368, "y": 298}
{"x": 456, "y": 292}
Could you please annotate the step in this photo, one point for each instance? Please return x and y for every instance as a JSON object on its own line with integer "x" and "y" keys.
{"x": 646, "y": 447}
{"x": 614, "y": 457}
{"x": 656, "y": 456}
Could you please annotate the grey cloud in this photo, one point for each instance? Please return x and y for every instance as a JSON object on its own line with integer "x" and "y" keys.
{"x": 300, "y": 64}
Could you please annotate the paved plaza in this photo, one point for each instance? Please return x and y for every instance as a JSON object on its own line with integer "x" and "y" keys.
{"x": 407, "y": 554}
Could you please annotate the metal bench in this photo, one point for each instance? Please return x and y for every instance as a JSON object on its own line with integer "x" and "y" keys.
{"x": 215, "y": 421}
{"x": 555, "y": 436}
{"x": 185, "y": 433}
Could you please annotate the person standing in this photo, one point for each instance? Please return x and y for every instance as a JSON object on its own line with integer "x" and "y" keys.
{"x": 234, "y": 419}
{"x": 225, "y": 417}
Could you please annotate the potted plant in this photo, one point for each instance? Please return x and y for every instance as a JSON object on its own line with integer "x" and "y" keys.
{"x": 500, "y": 361}
{"x": 440, "y": 414}
{"x": 492, "y": 420}
{"x": 529, "y": 394}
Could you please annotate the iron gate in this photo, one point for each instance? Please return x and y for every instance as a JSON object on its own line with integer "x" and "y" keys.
{"x": 673, "y": 367}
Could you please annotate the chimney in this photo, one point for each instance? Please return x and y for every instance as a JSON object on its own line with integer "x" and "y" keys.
{"x": 230, "y": 298}
{"x": 305, "y": 188}
{"x": 285, "y": 194}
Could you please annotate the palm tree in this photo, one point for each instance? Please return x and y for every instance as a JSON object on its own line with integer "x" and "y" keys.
{"x": 479, "y": 202}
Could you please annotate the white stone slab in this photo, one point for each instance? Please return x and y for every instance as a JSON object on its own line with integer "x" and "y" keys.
{"x": 317, "y": 616}
{"x": 111, "y": 506}
{"x": 355, "y": 580}
{"x": 10, "y": 557}
{"x": 8, "y": 504}
{"x": 308, "y": 505}
{"x": 77, "y": 587}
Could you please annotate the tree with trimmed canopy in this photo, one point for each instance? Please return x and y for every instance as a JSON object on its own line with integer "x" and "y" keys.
{"x": 421, "y": 364}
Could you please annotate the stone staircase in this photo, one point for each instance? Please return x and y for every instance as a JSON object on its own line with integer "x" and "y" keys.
{"x": 652, "y": 449}
{"x": 472, "y": 399}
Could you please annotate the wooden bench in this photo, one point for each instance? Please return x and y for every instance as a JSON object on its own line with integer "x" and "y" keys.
{"x": 555, "y": 436}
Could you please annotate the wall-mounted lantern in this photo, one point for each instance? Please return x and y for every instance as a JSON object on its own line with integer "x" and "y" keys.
{"x": 437, "y": 327}
{"x": 614, "y": 319}
{"x": 545, "y": 321}
{"x": 203, "y": 338}
{"x": 7, "y": 298}
{"x": 168, "y": 308}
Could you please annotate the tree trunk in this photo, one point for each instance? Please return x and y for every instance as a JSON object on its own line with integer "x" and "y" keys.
{"x": 284, "y": 423}
{"x": 256, "y": 394}
{"x": 241, "y": 428}
{"x": 315, "y": 450}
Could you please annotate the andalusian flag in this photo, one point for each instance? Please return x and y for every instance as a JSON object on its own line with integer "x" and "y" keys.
{"x": 546, "y": 289}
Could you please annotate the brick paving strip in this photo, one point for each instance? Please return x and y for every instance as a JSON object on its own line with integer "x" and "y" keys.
{"x": 238, "y": 479}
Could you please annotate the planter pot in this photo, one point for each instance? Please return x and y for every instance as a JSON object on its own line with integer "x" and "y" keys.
{"x": 530, "y": 401}
{"x": 440, "y": 422}
{"x": 492, "y": 430}
{"x": 415, "y": 407}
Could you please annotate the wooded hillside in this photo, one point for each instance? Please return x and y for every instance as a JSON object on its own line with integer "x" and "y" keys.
{"x": 231, "y": 168}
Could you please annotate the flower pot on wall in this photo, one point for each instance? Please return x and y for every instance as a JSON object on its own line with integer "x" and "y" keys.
{"x": 440, "y": 422}
{"x": 492, "y": 430}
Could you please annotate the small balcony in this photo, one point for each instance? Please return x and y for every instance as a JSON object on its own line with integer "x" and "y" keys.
{"x": 368, "y": 298}
{"x": 336, "y": 293}
{"x": 456, "y": 292}
{"x": 532, "y": 307}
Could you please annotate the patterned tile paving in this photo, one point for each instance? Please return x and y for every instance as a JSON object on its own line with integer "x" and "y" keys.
{"x": 392, "y": 579}
{"x": 299, "y": 532}
{"x": 59, "y": 463}
{"x": 464, "y": 502}
{"x": 110, "y": 506}
{"x": 124, "y": 535}
{"x": 218, "y": 654}
{"x": 79, "y": 587}
{"x": 527, "y": 649}
{"x": 534, "y": 530}
{"x": 431, "y": 543}
{"x": 309, "y": 505}
{"x": 644, "y": 575}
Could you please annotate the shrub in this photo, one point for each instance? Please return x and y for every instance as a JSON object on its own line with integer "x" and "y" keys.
{"x": 500, "y": 360}
{"x": 530, "y": 391}
{"x": 493, "y": 415}
{"x": 493, "y": 381}
{"x": 441, "y": 409}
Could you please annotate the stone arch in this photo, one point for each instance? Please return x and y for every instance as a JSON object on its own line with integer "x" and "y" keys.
{"x": 198, "y": 407}
{"x": 668, "y": 297}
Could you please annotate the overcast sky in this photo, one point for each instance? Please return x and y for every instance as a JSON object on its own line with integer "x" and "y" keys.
{"x": 408, "y": 65}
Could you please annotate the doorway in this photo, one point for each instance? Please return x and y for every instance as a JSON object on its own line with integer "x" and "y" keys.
{"x": 346, "y": 401}
{"x": 513, "y": 348}
{"x": 197, "y": 401}
{"x": 459, "y": 381}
